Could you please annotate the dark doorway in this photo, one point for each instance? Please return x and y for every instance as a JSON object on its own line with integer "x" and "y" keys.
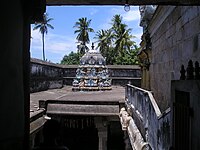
{"x": 79, "y": 133}
{"x": 181, "y": 120}
{"x": 115, "y": 136}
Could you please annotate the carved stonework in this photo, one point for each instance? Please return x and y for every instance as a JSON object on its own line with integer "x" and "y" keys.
{"x": 190, "y": 70}
{"x": 197, "y": 70}
{"x": 124, "y": 118}
{"x": 145, "y": 50}
{"x": 92, "y": 73}
{"x": 182, "y": 77}
{"x": 144, "y": 59}
{"x": 146, "y": 13}
{"x": 192, "y": 73}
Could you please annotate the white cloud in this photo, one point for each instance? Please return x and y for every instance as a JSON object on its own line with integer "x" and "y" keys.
{"x": 105, "y": 25}
{"x": 131, "y": 15}
{"x": 137, "y": 38}
{"x": 60, "y": 44}
{"x": 93, "y": 11}
{"x": 54, "y": 44}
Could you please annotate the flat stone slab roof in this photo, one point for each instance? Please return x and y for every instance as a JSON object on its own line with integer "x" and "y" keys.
{"x": 117, "y": 94}
{"x": 64, "y": 101}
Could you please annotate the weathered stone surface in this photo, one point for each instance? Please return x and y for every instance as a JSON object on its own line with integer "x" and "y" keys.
{"x": 84, "y": 109}
{"x": 66, "y": 96}
{"x": 153, "y": 125}
{"x": 45, "y": 75}
{"x": 175, "y": 40}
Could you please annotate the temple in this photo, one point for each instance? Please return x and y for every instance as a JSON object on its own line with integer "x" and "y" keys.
{"x": 92, "y": 73}
{"x": 162, "y": 114}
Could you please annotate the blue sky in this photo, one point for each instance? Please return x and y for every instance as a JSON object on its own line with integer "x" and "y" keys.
{"x": 62, "y": 40}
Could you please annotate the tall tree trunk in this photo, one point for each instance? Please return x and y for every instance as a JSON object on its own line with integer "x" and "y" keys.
{"x": 43, "y": 46}
{"x": 84, "y": 47}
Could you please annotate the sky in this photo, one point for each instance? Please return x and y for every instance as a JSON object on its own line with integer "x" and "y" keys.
{"x": 61, "y": 40}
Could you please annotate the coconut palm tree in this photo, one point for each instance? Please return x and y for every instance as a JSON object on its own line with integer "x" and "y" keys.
{"x": 123, "y": 39}
{"x": 83, "y": 29}
{"x": 122, "y": 36}
{"x": 104, "y": 39}
{"x": 116, "y": 22}
{"x": 43, "y": 28}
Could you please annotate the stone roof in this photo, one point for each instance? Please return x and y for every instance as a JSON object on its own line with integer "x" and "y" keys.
{"x": 92, "y": 57}
{"x": 107, "y": 102}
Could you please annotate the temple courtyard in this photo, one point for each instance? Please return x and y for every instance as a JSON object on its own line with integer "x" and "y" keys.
{"x": 86, "y": 115}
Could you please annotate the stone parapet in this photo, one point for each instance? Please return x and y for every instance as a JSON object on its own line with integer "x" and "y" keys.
{"x": 46, "y": 75}
{"x": 153, "y": 126}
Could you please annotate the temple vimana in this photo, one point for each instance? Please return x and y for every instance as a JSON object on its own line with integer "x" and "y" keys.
{"x": 92, "y": 73}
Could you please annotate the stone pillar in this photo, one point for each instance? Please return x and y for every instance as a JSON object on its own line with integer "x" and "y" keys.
{"x": 102, "y": 133}
{"x": 101, "y": 125}
{"x": 143, "y": 77}
{"x": 148, "y": 80}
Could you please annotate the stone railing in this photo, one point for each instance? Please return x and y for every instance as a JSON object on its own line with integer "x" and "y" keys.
{"x": 153, "y": 125}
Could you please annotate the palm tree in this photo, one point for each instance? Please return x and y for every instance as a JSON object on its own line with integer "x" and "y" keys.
{"x": 116, "y": 22}
{"x": 123, "y": 39}
{"x": 83, "y": 30}
{"x": 121, "y": 35}
{"x": 104, "y": 39}
{"x": 43, "y": 28}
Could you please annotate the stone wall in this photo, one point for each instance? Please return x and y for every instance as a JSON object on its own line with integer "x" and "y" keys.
{"x": 120, "y": 74}
{"x": 124, "y": 74}
{"x": 175, "y": 38}
{"x": 69, "y": 74}
{"x": 46, "y": 75}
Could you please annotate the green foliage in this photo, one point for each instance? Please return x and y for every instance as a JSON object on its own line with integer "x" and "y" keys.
{"x": 71, "y": 59}
{"x": 82, "y": 29}
{"x": 129, "y": 58}
{"x": 116, "y": 43}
